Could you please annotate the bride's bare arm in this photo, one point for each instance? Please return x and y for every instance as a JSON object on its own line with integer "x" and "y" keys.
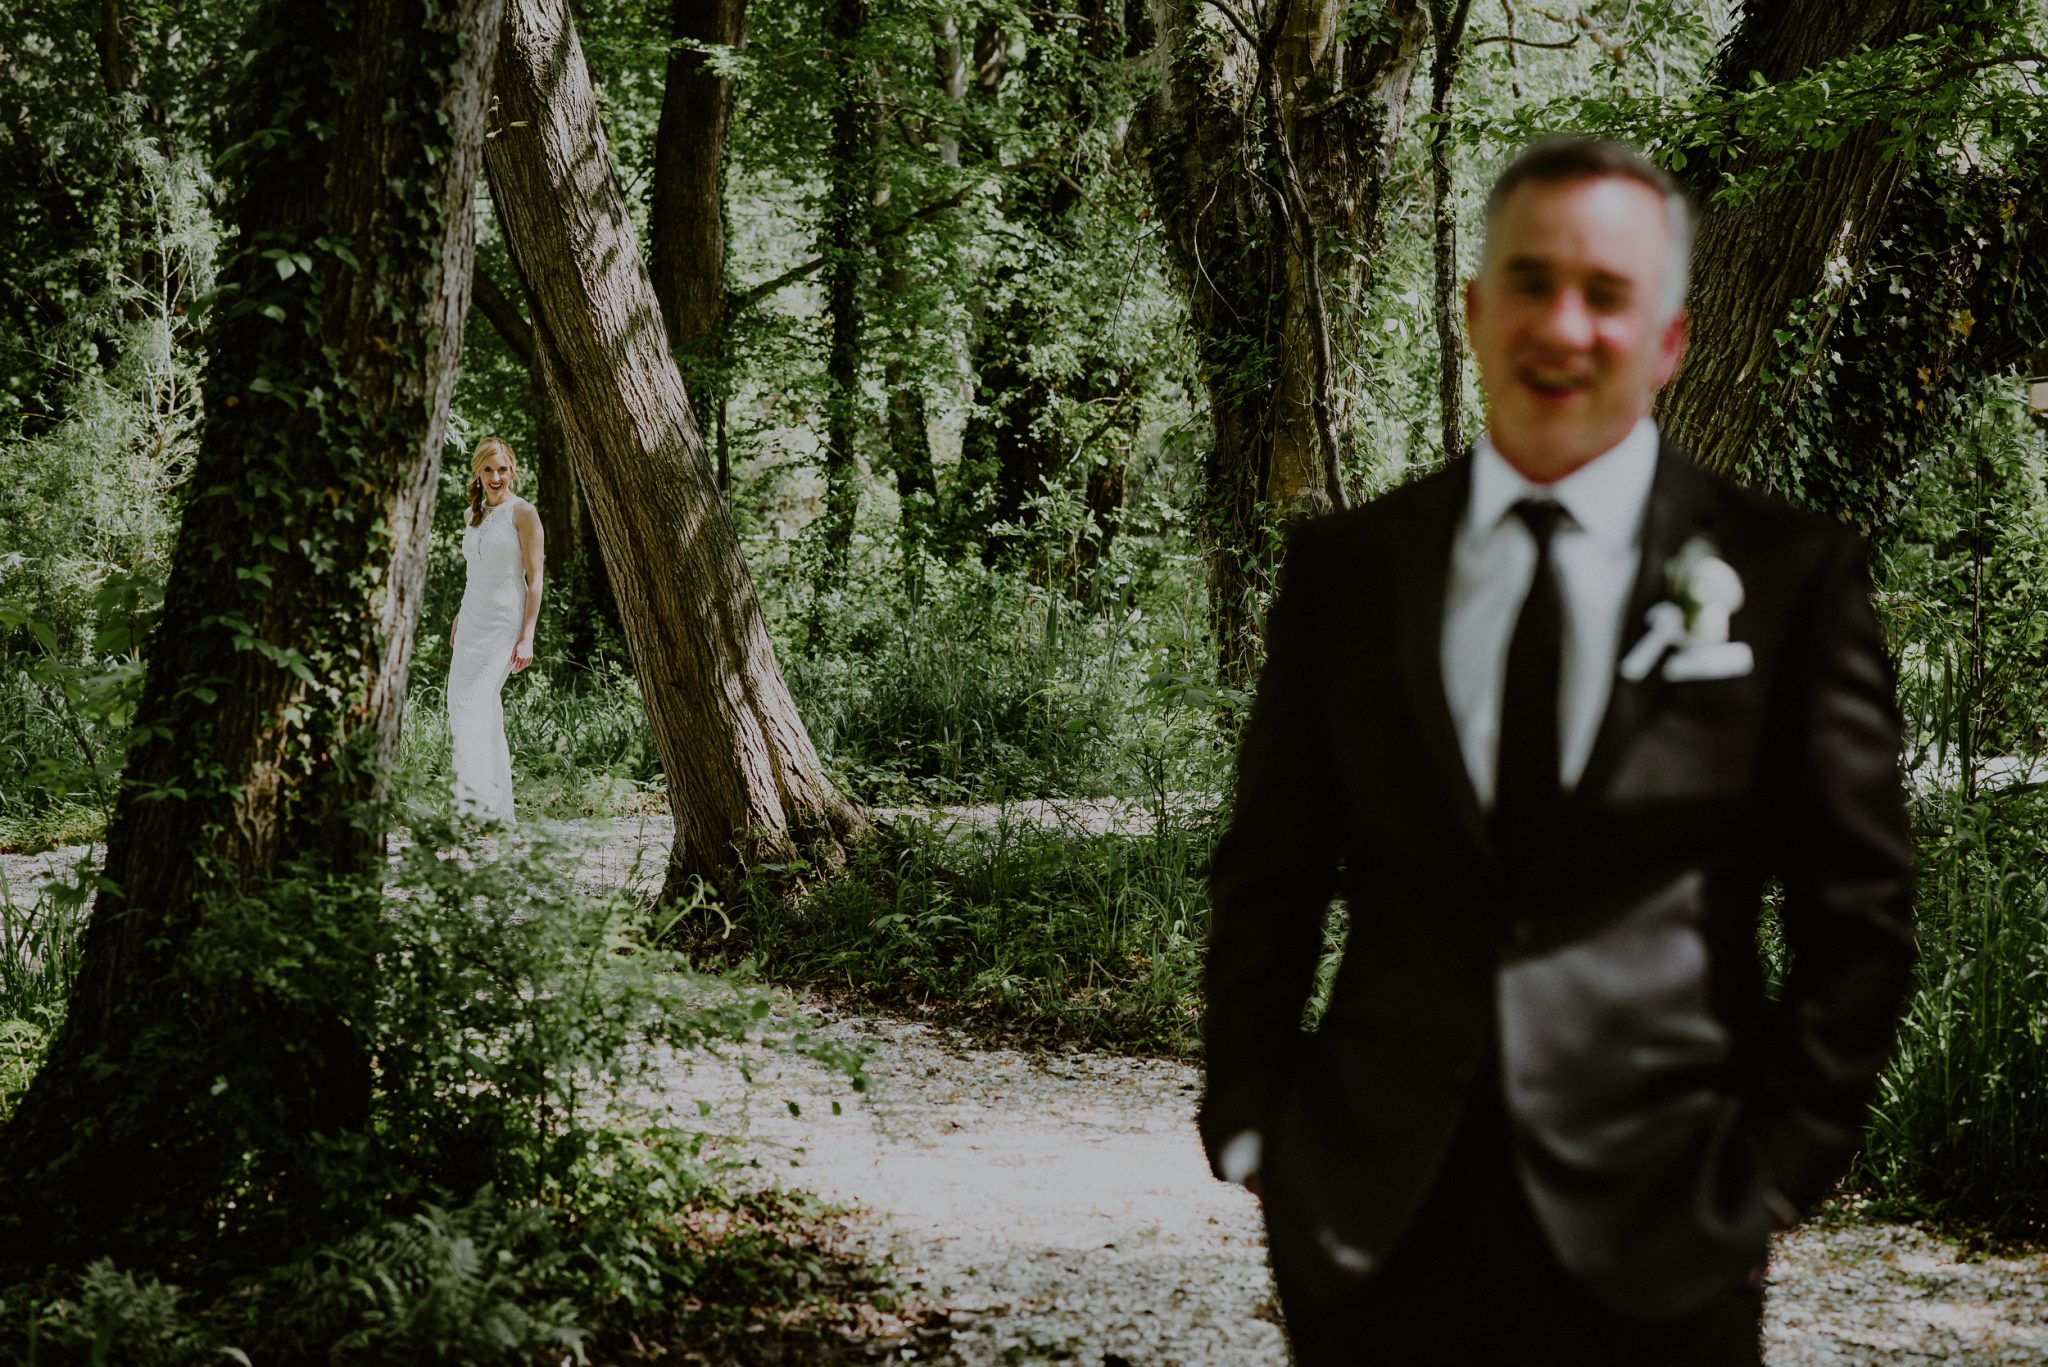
{"x": 533, "y": 558}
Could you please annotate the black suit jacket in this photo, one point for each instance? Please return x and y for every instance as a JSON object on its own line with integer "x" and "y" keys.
{"x": 1663, "y": 1105}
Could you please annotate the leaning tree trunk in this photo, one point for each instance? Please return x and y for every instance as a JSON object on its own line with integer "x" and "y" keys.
{"x": 277, "y": 673}
{"x": 744, "y": 782}
{"x": 1802, "y": 236}
{"x": 1267, "y": 165}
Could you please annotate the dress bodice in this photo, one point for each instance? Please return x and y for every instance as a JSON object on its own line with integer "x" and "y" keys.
{"x": 490, "y": 550}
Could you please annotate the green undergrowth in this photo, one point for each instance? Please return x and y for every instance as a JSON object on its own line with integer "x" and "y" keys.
{"x": 959, "y": 684}
{"x": 521, "y": 1184}
{"x": 750, "y": 1277}
{"x": 579, "y": 738}
{"x": 1016, "y": 931}
{"x": 1961, "y": 1120}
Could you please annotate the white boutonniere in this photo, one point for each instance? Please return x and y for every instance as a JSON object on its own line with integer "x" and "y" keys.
{"x": 1688, "y": 631}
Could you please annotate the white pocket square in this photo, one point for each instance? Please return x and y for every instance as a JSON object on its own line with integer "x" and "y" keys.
{"x": 1709, "y": 660}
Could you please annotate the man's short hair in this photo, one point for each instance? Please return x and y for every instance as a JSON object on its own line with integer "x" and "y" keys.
{"x": 1568, "y": 157}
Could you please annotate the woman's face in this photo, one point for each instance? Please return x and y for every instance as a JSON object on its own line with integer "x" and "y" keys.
{"x": 496, "y": 473}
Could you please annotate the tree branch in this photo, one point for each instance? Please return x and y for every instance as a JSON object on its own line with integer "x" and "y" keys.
{"x": 1572, "y": 41}
{"x": 487, "y": 297}
{"x": 754, "y": 294}
{"x": 1236, "y": 21}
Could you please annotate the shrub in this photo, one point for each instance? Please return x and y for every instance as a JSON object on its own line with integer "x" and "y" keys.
{"x": 512, "y": 1163}
{"x": 464, "y": 1287}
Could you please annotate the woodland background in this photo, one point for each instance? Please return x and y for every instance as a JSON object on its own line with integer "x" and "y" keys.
{"x": 939, "y": 453}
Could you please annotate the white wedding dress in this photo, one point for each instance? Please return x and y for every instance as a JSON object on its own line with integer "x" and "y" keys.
{"x": 486, "y": 628}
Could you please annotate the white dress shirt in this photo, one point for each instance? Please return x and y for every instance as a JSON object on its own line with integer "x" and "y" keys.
{"x": 1594, "y": 552}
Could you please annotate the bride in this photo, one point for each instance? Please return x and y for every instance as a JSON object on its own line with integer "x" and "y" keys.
{"x": 493, "y": 630}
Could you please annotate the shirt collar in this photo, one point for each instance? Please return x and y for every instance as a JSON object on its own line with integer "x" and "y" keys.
{"x": 1605, "y": 497}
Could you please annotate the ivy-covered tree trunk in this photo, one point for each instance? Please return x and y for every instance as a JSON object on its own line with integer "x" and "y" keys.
{"x": 744, "y": 782}
{"x": 277, "y": 672}
{"x": 1801, "y": 237}
{"x": 1956, "y": 294}
{"x": 1267, "y": 165}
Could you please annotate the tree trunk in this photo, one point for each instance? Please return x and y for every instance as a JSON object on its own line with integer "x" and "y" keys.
{"x": 1447, "y": 18}
{"x": 905, "y": 417}
{"x": 686, "y": 237}
{"x": 1009, "y": 438}
{"x": 277, "y": 673}
{"x": 1012, "y": 438}
{"x": 849, "y": 184}
{"x": 574, "y": 565}
{"x": 744, "y": 782}
{"x": 910, "y": 444}
{"x": 1802, "y": 236}
{"x": 1320, "y": 97}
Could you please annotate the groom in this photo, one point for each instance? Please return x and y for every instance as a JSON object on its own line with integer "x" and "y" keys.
{"x": 1550, "y": 722}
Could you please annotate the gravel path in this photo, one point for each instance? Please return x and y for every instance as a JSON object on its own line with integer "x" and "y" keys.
{"x": 1058, "y": 1208}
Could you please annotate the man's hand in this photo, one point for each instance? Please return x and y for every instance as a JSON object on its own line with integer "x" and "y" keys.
{"x": 451, "y": 628}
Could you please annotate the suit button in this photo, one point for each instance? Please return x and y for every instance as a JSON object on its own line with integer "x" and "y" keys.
{"x": 1523, "y": 934}
{"x": 1466, "y": 1071}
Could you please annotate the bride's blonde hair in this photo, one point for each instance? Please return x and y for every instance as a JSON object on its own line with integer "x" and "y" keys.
{"x": 485, "y": 449}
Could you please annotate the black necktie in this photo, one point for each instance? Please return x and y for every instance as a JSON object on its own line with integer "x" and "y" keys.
{"x": 1527, "y": 790}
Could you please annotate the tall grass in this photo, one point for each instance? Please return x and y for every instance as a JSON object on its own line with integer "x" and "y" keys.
{"x": 40, "y": 946}
{"x": 59, "y": 757}
{"x": 1027, "y": 931}
{"x": 1960, "y": 1126}
{"x": 580, "y": 742}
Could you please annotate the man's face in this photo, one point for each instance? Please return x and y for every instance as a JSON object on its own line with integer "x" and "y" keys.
{"x": 1568, "y": 320}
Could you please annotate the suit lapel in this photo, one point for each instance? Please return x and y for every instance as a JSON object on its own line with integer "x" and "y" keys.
{"x": 1419, "y": 600}
{"x": 1677, "y": 510}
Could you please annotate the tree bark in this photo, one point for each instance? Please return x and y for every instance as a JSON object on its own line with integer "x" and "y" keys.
{"x": 744, "y": 782}
{"x": 1447, "y": 19}
{"x": 686, "y": 237}
{"x": 1803, "y": 236}
{"x": 277, "y": 672}
{"x": 1326, "y": 96}
{"x": 849, "y": 186}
